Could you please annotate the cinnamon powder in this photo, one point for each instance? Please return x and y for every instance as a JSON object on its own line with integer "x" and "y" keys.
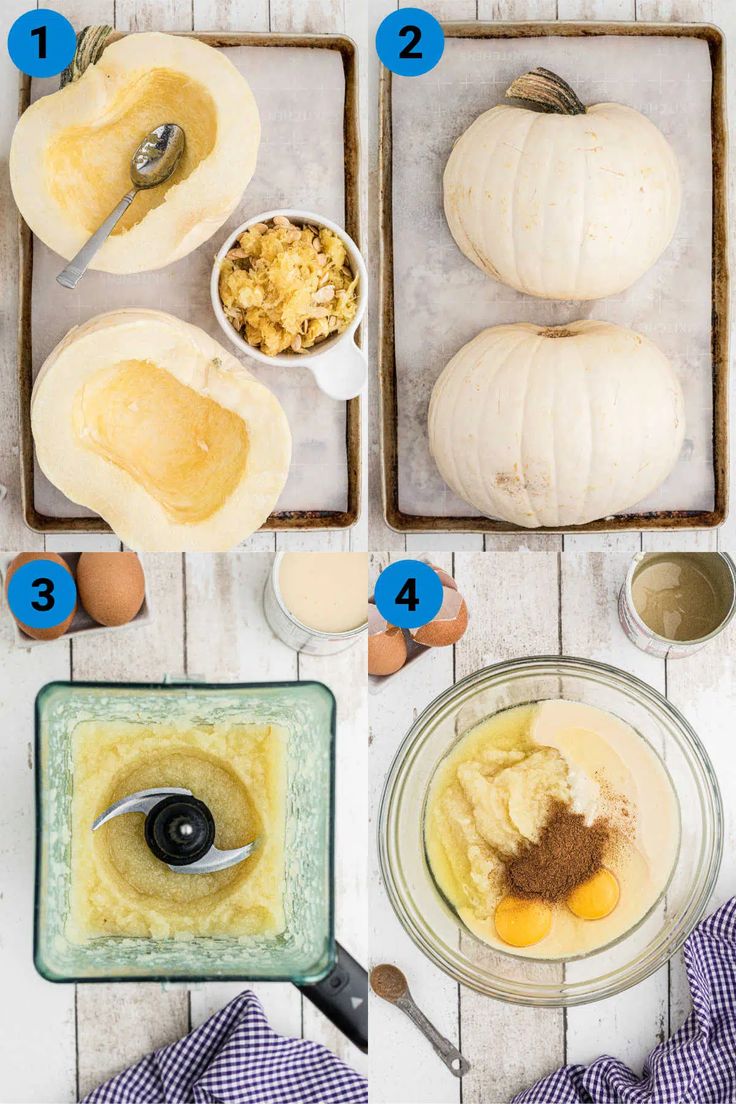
{"x": 568, "y": 852}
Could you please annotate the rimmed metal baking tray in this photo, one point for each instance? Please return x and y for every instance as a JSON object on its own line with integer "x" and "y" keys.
{"x": 279, "y": 519}
{"x": 404, "y": 522}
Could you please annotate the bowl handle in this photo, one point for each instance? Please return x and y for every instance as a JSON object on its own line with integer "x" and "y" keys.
{"x": 341, "y": 371}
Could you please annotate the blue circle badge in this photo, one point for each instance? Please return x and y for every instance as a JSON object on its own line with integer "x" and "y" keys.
{"x": 410, "y": 42}
{"x": 408, "y": 594}
{"x": 41, "y": 42}
{"x": 42, "y": 594}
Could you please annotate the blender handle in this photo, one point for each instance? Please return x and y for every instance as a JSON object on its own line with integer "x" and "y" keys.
{"x": 343, "y": 997}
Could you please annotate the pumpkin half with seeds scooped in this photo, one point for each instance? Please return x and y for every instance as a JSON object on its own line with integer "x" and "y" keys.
{"x": 149, "y": 422}
{"x": 71, "y": 150}
{"x": 565, "y": 201}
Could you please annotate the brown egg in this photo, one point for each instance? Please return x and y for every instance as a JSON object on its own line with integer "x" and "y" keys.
{"x": 111, "y": 586}
{"x": 39, "y": 634}
{"x": 386, "y": 645}
{"x": 449, "y": 624}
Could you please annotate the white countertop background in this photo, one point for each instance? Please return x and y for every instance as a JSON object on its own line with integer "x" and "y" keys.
{"x": 538, "y": 603}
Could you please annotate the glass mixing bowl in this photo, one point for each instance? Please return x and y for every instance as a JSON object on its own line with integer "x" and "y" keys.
{"x": 430, "y": 920}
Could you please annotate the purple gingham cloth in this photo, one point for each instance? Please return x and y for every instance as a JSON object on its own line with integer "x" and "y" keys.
{"x": 236, "y": 1058}
{"x": 697, "y": 1065}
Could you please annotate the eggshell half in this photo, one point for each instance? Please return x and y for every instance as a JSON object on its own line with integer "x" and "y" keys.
{"x": 449, "y": 624}
{"x": 386, "y": 645}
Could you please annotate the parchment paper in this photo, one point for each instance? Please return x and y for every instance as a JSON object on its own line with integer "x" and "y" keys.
{"x": 300, "y": 94}
{"x": 442, "y": 300}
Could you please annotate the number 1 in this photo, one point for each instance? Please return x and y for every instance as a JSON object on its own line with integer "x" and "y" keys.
{"x": 40, "y": 34}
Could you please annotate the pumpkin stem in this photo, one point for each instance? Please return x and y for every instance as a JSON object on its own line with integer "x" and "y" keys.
{"x": 91, "y": 41}
{"x": 546, "y": 91}
{"x": 556, "y": 331}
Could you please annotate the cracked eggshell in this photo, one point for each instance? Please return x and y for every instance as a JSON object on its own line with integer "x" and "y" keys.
{"x": 449, "y": 624}
{"x": 445, "y": 579}
{"x": 386, "y": 645}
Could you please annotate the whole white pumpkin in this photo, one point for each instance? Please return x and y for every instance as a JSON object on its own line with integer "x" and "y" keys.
{"x": 564, "y": 203}
{"x": 556, "y": 426}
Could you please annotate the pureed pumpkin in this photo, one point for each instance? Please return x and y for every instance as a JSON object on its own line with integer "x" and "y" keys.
{"x": 565, "y": 201}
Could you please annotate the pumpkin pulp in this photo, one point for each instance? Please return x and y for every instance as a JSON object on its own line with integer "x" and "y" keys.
{"x": 186, "y": 450}
{"x": 221, "y": 790}
{"x": 88, "y": 167}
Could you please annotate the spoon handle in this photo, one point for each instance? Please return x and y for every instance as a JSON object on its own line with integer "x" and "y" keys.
{"x": 70, "y": 276}
{"x": 449, "y": 1054}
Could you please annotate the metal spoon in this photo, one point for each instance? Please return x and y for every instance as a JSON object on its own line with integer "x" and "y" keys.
{"x": 389, "y": 982}
{"x": 152, "y": 164}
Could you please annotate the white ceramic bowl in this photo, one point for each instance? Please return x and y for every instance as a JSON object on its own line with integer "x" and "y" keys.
{"x": 338, "y": 365}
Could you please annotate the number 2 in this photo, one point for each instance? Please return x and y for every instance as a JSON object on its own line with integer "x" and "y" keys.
{"x": 407, "y": 596}
{"x": 45, "y": 593}
{"x": 40, "y": 34}
{"x": 409, "y": 51}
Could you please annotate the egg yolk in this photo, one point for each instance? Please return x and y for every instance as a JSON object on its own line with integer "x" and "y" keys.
{"x": 520, "y": 922}
{"x": 596, "y": 897}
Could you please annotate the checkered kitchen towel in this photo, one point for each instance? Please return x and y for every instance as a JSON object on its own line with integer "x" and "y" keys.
{"x": 697, "y": 1065}
{"x": 235, "y": 1058}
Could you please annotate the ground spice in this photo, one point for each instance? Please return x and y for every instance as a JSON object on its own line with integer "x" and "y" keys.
{"x": 568, "y": 852}
{"x": 388, "y": 981}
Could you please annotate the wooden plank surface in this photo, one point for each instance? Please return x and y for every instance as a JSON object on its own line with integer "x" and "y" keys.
{"x": 522, "y": 604}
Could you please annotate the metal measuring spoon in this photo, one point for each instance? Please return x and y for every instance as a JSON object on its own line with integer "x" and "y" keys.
{"x": 390, "y": 983}
{"x": 152, "y": 164}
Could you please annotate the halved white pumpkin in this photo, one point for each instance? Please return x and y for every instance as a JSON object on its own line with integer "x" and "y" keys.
{"x": 564, "y": 203}
{"x": 71, "y": 150}
{"x": 556, "y": 426}
{"x": 159, "y": 429}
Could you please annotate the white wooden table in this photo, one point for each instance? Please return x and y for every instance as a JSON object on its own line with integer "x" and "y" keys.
{"x": 721, "y": 12}
{"x": 532, "y": 604}
{"x": 292, "y": 16}
{"x": 57, "y": 1042}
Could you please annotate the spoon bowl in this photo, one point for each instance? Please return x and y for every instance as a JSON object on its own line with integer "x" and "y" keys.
{"x": 158, "y": 156}
{"x": 152, "y": 164}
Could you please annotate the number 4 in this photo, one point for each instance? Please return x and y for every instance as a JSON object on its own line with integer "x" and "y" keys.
{"x": 40, "y": 34}
{"x": 407, "y": 596}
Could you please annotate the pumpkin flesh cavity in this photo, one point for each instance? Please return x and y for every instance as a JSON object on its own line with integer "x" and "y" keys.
{"x": 88, "y": 167}
{"x": 186, "y": 450}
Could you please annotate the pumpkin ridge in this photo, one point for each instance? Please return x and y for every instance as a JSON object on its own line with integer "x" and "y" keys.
{"x": 514, "y": 203}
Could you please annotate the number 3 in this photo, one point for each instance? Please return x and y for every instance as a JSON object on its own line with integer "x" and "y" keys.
{"x": 45, "y": 592}
{"x": 416, "y": 36}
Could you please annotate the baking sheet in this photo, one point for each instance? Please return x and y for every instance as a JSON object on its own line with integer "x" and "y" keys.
{"x": 301, "y": 163}
{"x": 442, "y": 300}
